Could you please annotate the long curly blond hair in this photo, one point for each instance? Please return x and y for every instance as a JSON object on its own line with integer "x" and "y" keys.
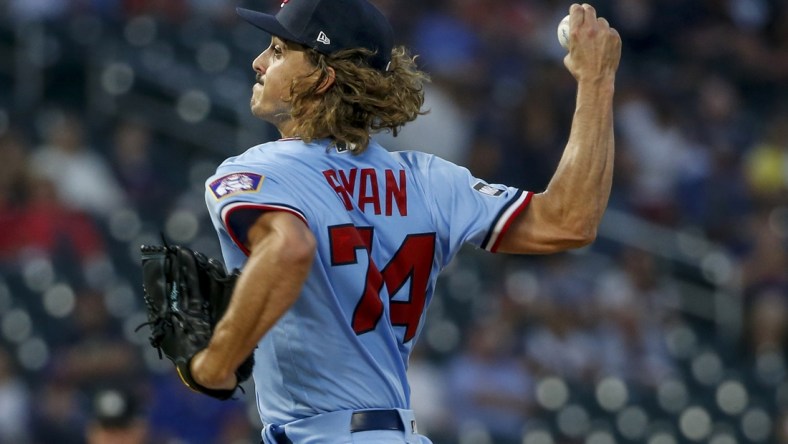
{"x": 362, "y": 100}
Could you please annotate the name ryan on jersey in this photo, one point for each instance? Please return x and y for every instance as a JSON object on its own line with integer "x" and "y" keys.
{"x": 379, "y": 191}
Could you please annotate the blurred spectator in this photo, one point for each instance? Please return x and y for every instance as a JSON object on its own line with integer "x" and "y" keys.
{"x": 490, "y": 385}
{"x": 82, "y": 179}
{"x": 179, "y": 414}
{"x": 635, "y": 304}
{"x": 766, "y": 163}
{"x": 58, "y": 416}
{"x": 485, "y": 157}
{"x": 560, "y": 345}
{"x": 14, "y": 403}
{"x": 145, "y": 181}
{"x": 638, "y": 283}
{"x": 13, "y": 178}
{"x": 212, "y": 8}
{"x": 428, "y": 395}
{"x": 109, "y": 9}
{"x": 14, "y": 167}
{"x": 767, "y": 321}
{"x": 174, "y": 10}
{"x": 43, "y": 226}
{"x": 518, "y": 138}
{"x": 661, "y": 154}
{"x": 116, "y": 419}
{"x": 723, "y": 123}
{"x": 48, "y": 224}
{"x": 766, "y": 260}
{"x": 781, "y": 428}
{"x": 444, "y": 131}
{"x": 35, "y": 10}
{"x": 764, "y": 297}
{"x": 447, "y": 47}
{"x": 719, "y": 193}
{"x": 94, "y": 354}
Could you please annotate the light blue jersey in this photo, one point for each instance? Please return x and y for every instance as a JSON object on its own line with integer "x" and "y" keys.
{"x": 386, "y": 224}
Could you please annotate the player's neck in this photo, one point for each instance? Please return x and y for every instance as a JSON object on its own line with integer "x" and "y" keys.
{"x": 287, "y": 129}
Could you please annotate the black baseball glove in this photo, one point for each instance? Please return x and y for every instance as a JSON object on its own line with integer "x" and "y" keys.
{"x": 186, "y": 294}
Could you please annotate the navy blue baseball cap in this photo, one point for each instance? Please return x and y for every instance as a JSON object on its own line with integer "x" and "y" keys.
{"x": 329, "y": 26}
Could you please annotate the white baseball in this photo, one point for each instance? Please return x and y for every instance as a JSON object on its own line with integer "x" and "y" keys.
{"x": 563, "y": 32}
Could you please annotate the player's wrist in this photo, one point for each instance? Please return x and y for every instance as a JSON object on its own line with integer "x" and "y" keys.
{"x": 600, "y": 81}
{"x": 211, "y": 376}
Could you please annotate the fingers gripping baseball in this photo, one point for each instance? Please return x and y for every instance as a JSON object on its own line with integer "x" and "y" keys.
{"x": 594, "y": 47}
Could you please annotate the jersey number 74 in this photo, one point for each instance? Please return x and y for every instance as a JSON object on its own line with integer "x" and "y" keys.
{"x": 413, "y": 260}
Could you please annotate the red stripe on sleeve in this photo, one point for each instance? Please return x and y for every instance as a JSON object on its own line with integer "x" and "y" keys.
{"x": 511, "y": 219}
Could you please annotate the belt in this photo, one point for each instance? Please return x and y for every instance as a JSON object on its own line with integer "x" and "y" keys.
{"x": 360, "y": 421}
{"x": 365, "y": 420}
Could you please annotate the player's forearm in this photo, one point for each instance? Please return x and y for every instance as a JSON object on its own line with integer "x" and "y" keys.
{"x": 268, "y": 286}
{"x": 577, "y": 194}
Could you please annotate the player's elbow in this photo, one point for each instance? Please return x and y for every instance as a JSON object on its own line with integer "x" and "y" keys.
{"x": 548, "y": 227}
{"x": 578, "y": 230}
{"x": 295, "y": 249}
{"x": 285, "y": 238}
{"x": 565, "y": 238}
{"x": 573, "y": 227}
{"x": 581, "y": 237}
{"x": 300, "y": 251}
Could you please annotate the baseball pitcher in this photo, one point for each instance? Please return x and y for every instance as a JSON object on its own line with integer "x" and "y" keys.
{"x": 339, "y": 242}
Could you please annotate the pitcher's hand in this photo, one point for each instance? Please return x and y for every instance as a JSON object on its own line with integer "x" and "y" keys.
{"x": 594, "y": 47}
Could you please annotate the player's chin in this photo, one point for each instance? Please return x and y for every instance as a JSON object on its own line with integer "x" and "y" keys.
{"x": 257, "y": 95}
{"x": 256, "y": 106}
{"x": 257, "y": 111}
{"x": 263, "y": 112}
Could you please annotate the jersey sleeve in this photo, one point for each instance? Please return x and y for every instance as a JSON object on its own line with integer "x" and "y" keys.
{"x": 469, "y": 209}
{"x": 237, "y": 195}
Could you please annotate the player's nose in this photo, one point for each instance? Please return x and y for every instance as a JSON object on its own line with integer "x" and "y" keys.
{"x": 257, "y": 64}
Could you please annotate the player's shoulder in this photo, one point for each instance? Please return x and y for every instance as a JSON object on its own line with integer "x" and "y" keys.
{"x": 413, "y": 158}
{"x": 427, "y": 164}
{"x": 269, "y": 156}
{"x": 264, "y": 151}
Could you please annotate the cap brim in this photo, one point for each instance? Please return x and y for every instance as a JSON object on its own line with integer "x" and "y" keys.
{"x": 267, "y": 23}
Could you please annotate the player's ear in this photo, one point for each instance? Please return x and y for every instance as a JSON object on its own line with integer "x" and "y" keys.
{"x": 327, "y": 80}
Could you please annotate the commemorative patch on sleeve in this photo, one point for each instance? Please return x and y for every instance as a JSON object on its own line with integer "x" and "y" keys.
{"x": 236, "y": 183}
{"x": 487, "y": 189}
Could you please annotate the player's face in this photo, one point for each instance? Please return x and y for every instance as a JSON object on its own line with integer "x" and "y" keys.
{"x": 277, "y": 67}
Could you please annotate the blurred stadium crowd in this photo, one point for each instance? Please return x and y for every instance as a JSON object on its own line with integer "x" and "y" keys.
{"x": 672, "y": 328}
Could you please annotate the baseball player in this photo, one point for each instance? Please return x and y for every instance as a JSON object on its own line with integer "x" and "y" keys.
{"x": 340, "y": 241}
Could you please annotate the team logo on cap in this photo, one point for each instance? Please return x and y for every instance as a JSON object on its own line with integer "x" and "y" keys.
{"x": 236, "y": 183}
{"x": 323, "y": 38}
